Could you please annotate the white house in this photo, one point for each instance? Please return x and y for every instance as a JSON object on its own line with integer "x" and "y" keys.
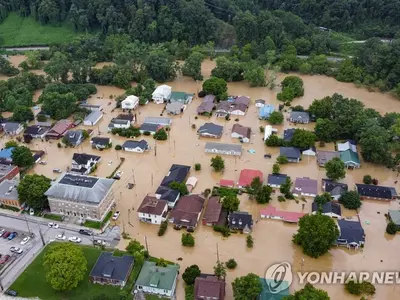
{"x": 93, "y": 118}
{"x": 136, "y": 146}
{"x": 260, "y": 103}
{"x": 310, "y": 152}
{"x": 83, "y": 163}
{"x": 130, "y": 102}
{"x": 153, "y": 210}
{"x": 162, "y": 94}
{"x": 13, "y": 128}
{"x": 267, "y": 132}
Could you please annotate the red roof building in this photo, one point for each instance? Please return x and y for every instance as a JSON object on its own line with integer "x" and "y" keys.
{"x": 227, "y": 183}
{"x": 287, "y": 216}
{"x": 247, "y": 176}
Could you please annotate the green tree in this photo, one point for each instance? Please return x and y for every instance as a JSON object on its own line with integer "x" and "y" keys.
{"x": 217, "y": 87}
{"x": 275, "y": 117}
{"x": 179, "y": 186}
{"x": 322, "y": 199}
{"x": 192, "y": 66}
{"x": 187, "y": 240}
{"x": 303, "y": 139}
{"x": 58, "y": 106}
{"x": 65, "y": 266}
{"x": 10, "y": 144}
{"x": 367, "y": 179}
{"x": 292, "y": 87}
{"x": 6, "y": 68}
{"x": 22, "y": 114}
{"x": 228, "y": 69}
{"x": 276, "y": 169}
{"x": 374, "y": 142}
{"x": 316, "y": 234}
{"x": 58, "y": 67}
{"x": 326, "y": 130}
{"x": 138, "y": 251}
{"x": 217, "y": 163}
{"x": 391, "y": 228}
{"x": 161, "y": 262}
{"x": 190, "y": 274}
{"x": 161, "y": 135}
{"x": 360, "y": 288}
{"x": 274, "y": 141}
{"x": 286, "y": 187}
{"x": 31, "y": 191}
{"x": 197, "y": 167}
{"x": 255, "y": 76}
{"x": 220, "y": 270}
{"x": 230, "y": 202}
{"x": 350, "y": 200}
{"x": 231, "y": 264}
{"x": 335, "y": 169}
{"x": 22, "y": 157}
{"x": 247, "y": 287}
{"x": 33, "y": 59}
{"x": 249, "y": 241}
{"x": 282, "y": 160}
{"x": 160, "y": 65}
{"x": 308, "y": 292}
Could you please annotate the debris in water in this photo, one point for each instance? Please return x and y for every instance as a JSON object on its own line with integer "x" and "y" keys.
{"x": 252, "y": 151}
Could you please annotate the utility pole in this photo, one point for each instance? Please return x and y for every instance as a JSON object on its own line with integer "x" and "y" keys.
{"x": 147, "y": 246}
{"x": 155, "y": 149}
{"x": 133, "y": 176}
{"x": 1, "y": 285}
{"x": 151, "y": 179}
{"x": 41, "y": 236}
{"x": 27, "y": 224}
{"x": 217, "y": 253}
{"x": 129, "y": 217}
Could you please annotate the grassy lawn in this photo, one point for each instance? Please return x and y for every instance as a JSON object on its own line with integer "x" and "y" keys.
{"x": 17, "y": 31}
{"x": 53, "y": 217}
{"x": 154, "y": 297}
{"x": 97, "y": 224}
{"x": 32, "y": 282}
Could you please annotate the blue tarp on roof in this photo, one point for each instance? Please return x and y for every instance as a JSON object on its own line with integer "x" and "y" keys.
{"x": 6, "y": 153}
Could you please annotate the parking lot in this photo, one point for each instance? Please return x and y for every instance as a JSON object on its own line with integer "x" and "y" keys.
{"x": 21, "y": 246}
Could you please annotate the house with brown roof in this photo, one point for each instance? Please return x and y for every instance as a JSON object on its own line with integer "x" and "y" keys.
{"x": 207, "y": 106}
{"x": 241, "y": 132}
{"x": 304, "y": 186}
{"x": 153, "y": 210}
{"x": 324, "y": 156}
{"x": 214, "y": 214}
{"x": 236, "y": 106}
{"x": 187, "y": 211}
{"x": 59, "y": 129}
{"x": 208, "y": 286}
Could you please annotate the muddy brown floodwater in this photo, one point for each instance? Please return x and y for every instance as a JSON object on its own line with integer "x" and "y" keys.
{"x": 272, "y": 238}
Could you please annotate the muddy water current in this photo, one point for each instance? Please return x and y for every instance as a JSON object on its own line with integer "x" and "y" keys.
{"x": 272, "y": 238}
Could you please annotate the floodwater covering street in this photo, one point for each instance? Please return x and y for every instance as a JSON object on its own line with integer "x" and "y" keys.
{"x": 272, "y": 239}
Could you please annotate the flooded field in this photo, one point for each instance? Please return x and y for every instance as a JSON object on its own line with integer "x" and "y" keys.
{"x": 272, "y": 238}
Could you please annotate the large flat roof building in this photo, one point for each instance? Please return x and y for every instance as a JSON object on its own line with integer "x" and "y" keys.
{"x": 87, "y": 197}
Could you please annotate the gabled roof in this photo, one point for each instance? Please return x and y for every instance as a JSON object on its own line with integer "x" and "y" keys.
{"x": 6, "y": 153}
{"x": 100, "y": 141}
{"x": 93, "y": 116}
{"x": 158, "y": 120}
{"x": 247, "y": 176}
{"x": 187, "y": 210}
{"x": 73, "y": 136}
{"x": 153, "y": 206}
{"x": 290, "y": 152}
{"x": 299, "y": 115}
{"x": 276, "y": 179}
{"x": 227, "y": 183}
{"x": 223, "y": 147}
{"x": 287, "y": 216}
{"x": 167, "y": 193}
{"x": 329, "y": 207}
{"x": 395, "y": 216}
{"x": 142, "y": 144}
{"x": 333, "y": 187}
{"x": 266, "y": 110}
{"x": 154, "y": 276}
{"x": 112, "y": 267}
{"x": 83, "y": 158}
{"x": 61, "y": 126}
{"x": 179, "y": 96}
{"x": 150, "y": 127}
{"x": 11, "y": 126}
{"x": 241, "y": 130}
{"x": 209, "y": 98}
{"x": 349, "y": 156}
{"x": 324, "y": 156}
{"x": 205, "y": 106}
{"x": 262, "y": 101}
{"x": 213, "y": 210}
{"x": 210, "y": 129}
{"x": 306, "y": 185}
{"x": 376, "y": 191}
{"x": 240, "y": 219}
{"x": 288, "y": 134}
{"x": 176, "y": 173}
{"x": 351, "y": 231}
{"x": 174, "y": 106}
{"x": 209, "y": 287}
{"x": 164, "y": 90}
{"x": 36, "y": 129}
{"x": 349, "y": 145}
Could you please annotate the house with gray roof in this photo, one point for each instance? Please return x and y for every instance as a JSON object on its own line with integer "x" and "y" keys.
{"x": 150, "y": 127}
{"x": 136, "y": 146}
{"x": 223, "y": 149}
{"x": 13, "y": 128}
{"x": 276, "y": 180}
{"x": 9, "y": 193}
{"x": 299, "y": 117}
{"x": 175, "y": 108}
{"x": 158, "y": 120}
{"x": 112, "y": 270}
{"x": 210, "y": 130}
{"x": 73, "y": 137}
{"x": 352, "y": 234}
{"x": 156, "y": 280}
{"x": 330, "y": 209}
{"x": 93, "y": 118}
{"x": 394, "y": 216}
{"x": 304, "y": 186}
{"x": 324, "y": 156}
{"x": 334, "y": 188}
{"x": 81, "y": 196}
{"x": 293, "y": 154}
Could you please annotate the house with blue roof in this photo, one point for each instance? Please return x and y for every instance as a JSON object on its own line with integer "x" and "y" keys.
{"x": 5, "y": 154}
{"x": 265, "y": 111}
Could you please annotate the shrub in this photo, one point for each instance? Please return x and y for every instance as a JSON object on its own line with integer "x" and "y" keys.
{"x": 237, "y": 120}
{"x": 197, "y": 167}
{"x": 190, "y": 274}
{"x": 59, "y": 145}
{"x": 206, "y": 192}
{"x": 227, "y": 118}
{"x": 163, "y": 228}
{"x": 231, "y": 264}
{"x": 196, "y": 117}
{"x": 391, "y": 228}
{"x": 322, "y": 144}
{"x": 375, "y": 181}
{"x": 222, "y": 229}
{"x": 249, "y": 241}
{"x": 118, "y": 147}
{"x": 187, "y": 240}
{"x": 147, "y": 133}
{"x": 282, "y": 160}
{"x": 193, "y": 126}
{"x": 367, "y": 179}
{"x": 41, "y": 118}
{"x": 281, "y": 198}
{"x": 161, "y": 135}
{"x": 262, "y": 129}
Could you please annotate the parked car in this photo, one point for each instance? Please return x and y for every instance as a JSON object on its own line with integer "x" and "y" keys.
{"x": 16, "y": 250}
{"x": 31, "y": 211}
{"x": 4, "y": 259}
{"x": 12, "y": 235}
{"x": 74, "y": 239}
{"x": 60, "y": 237}
{"x": 116, "y": 215}
{"x": 11, "y": 293}
{"x": 2, "y": 232}
{"x": 53, "y": 225}
{"x": 25, "y": 240}
{"x": 99, "y": 242}
{"x": 85, "y": 232}
{"x": 6, "y": 234}
{"x": 57, "y": 171}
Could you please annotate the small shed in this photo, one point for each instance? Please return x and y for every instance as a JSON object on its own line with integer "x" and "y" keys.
{"x": 191, "y": 183}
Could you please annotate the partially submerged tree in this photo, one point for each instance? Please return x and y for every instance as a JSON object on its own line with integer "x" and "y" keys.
{"x": 217, "y": 163}
{"x": 247, "y": 287}
{"x": 308, "y": 293}
{"x": 230, "y": 202}
{"x": 190, "y": 274}
{"x": 220, "y": 270}
{"x": 350, "y": 200}
{"x": 335, "y": 169}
